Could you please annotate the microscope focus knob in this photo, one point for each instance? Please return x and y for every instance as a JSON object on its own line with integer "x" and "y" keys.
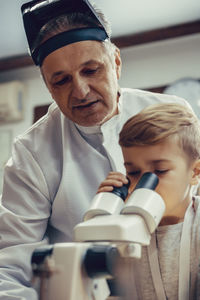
{"x": 101, "y": 260}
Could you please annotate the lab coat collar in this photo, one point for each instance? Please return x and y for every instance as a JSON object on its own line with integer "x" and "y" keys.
{"x": 89, "y": 130}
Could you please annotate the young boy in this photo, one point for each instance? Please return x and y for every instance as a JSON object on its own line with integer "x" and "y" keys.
{"x": 165, "y": 139}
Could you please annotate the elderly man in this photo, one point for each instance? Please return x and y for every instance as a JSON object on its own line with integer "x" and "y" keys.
{"x": 60, "y": 161}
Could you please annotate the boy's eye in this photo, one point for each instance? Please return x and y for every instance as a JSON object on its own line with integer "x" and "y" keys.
{"x": 133, "y": 173}
{"x": 160, "y": 172}
{"x": 137, "y": 173}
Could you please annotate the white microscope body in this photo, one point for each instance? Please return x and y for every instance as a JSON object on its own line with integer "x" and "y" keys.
{"x": 111, "y": 230}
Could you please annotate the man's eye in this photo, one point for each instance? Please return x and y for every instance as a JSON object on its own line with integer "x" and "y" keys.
{"x": 62, "y": 81}
{"x": 90, "y": 71}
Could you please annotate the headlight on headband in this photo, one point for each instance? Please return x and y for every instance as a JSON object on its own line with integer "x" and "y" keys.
{"x": 37, "y": 13}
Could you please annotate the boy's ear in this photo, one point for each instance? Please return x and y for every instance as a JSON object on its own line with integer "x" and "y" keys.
{"x": 195, "y": 173}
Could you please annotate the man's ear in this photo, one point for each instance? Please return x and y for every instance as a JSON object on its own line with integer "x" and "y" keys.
{"x": 118, "y": 62}
{"x": 195, "y": 173}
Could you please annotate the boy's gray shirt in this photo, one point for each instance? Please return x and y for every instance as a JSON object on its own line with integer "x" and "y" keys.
{"x": 168, "y": 245}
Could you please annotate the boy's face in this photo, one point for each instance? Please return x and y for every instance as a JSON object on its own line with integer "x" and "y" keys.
{"x": 176, "y": 174}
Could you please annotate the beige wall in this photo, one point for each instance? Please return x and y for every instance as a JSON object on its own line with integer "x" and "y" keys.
{"x": 161, "y": 63}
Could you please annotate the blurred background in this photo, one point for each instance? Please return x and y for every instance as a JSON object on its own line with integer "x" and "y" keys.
{"x": 159, "y": 42}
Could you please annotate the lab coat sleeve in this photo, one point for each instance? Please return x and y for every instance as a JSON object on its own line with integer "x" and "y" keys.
{"x": 24, "y": 211}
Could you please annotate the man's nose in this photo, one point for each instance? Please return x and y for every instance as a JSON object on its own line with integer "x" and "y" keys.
{"x": 80, "y": 88}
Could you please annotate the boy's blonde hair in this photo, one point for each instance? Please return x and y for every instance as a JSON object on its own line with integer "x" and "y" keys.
{"x": 157, "y": 122}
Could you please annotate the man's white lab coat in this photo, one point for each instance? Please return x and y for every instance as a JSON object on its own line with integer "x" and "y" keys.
{"x": 49, "y": 183}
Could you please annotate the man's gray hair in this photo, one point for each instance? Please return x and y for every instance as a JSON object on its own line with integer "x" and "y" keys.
{"x": 70, "y": 21}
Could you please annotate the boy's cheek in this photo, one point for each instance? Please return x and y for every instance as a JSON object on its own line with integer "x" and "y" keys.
{"x": 132, "y": 186}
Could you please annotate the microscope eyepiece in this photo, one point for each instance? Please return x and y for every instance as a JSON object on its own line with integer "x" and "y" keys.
{"x": 122, "y": 191}
{"x": 147, "y": 181}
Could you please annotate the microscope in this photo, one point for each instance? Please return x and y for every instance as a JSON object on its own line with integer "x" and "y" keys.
{"x": 112, "y": 232}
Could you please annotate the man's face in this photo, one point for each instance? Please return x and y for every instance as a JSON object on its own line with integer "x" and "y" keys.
{"x": 168, "y": 161}
{"x": 83, "y": 80}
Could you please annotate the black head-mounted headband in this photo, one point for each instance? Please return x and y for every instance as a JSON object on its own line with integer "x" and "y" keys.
{"x": 37, "y": 13}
